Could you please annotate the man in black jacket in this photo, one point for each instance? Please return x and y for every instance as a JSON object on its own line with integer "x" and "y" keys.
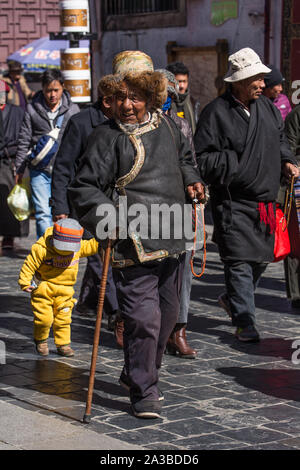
{"x": 241, "y": 150}
{"x": 141, "y": 159}
{"x": 73, "y": 145}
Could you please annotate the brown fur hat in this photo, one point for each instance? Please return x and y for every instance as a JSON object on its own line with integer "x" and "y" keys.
{"x": 153, "y": 85}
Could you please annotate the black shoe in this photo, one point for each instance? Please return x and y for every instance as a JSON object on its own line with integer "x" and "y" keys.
{"x": 248, "y": 334}
{"x": 124, "y": 382}
{"x": 295, "y": 304}
{"x": 147, "y": 409}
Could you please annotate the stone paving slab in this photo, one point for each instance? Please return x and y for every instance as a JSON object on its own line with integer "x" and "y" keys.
{"x": 23, "y": 429}
{"x": 232, "y": 396}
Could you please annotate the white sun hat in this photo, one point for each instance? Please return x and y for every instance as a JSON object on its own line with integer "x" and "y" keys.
{"x": 243, "y": 64}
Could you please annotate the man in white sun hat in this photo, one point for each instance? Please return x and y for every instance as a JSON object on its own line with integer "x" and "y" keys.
{"x": 241, "y": 151}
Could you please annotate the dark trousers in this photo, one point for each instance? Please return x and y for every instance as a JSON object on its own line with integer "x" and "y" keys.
{"x": 292, "y": 277}
{"x": 90, "y": 286}
{"x": 292, "y": 262}
{"x": 241, "y": 279}
{"x": 149, "y": 299}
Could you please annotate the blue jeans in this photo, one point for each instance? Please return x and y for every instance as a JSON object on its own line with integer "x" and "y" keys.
{"x": 40, "y": 182}
{"x": 241, "y": 279}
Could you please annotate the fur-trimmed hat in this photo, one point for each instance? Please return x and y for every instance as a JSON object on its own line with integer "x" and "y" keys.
{"x": 132, "y": 61}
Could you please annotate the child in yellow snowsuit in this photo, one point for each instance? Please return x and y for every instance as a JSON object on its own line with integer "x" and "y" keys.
{"x": 49, "y": 273}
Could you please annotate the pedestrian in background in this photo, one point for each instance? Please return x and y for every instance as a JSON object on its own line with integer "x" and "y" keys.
{"x": 273, "y": 90}
{"x": 72, "y": 147}
{"x": 185, "y": 106}
{"x": 11, "y": 118}
{"x": 177, "y": 342}
{"x": 19, "y": 92}
{"x": 51, "y": 103}
{"x": 292, "y": 262}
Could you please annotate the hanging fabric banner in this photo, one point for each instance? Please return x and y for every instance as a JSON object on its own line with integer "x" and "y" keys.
{"x": 223, "y": 10}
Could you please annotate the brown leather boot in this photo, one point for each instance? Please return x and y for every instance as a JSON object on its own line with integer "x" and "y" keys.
{"x": 119, "y": 328}
{"x": 177, "y": 343}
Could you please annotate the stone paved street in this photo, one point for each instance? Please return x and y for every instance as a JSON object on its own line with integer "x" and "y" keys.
{"x": 231, "y": 396}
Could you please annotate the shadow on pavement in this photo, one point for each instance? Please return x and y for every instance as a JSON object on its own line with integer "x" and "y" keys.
{"x": 267, "y": 347}
{"x": 53, "y": 384}
{"x": 15, "y": 304}
{"x": 279, "y": 383}
{"x": 82, "y": 328}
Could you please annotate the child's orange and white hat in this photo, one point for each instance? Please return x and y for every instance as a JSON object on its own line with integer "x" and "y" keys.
{"x": 67, "y": 235}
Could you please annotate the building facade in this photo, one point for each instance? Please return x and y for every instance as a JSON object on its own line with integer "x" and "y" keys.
{"x": 23, "y": 21}
{"x": 200, "y": 33}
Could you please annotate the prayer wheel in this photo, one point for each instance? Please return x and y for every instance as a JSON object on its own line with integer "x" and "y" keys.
{"x": 74, "y": 16}
{"x": 74, "y": 58}
{"x": 78, "y": 84}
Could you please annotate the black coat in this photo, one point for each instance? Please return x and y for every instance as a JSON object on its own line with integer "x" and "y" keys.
{"x": 168, "y": 168}
{"x": 72, "y": 147}
{"x": 1, "y": 133}
{"x": 241, "y": 158}
{"x": 11, "y": 117}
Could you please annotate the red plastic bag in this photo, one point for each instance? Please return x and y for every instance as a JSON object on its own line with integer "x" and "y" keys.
{"x": 282, "y": 246}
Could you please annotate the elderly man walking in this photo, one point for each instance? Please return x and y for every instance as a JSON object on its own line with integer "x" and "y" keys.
{"x": 241, "y": 151}
{"x": 142, "y": 156}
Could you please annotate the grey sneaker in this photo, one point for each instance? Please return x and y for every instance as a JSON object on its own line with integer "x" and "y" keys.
{"x": 147, "y": 409}
{"x": 247, "y": 334}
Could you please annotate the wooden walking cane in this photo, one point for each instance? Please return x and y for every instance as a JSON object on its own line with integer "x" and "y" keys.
{"x": 288, "y": 200}
{"x": 87, "y": 415}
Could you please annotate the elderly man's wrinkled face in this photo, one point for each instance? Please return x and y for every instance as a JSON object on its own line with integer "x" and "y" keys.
{"x": 254, "y": 86}
{"x": 129, "y": 106}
